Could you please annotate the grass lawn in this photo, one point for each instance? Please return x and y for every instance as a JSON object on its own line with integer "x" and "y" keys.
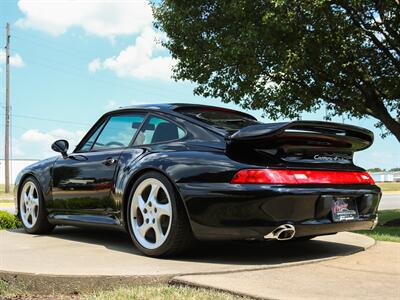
{"x": 386, "y": 233}
{"x": 166, "y": 292}
{"x": 156, "y": 292}
{"x": 389, "y": 186}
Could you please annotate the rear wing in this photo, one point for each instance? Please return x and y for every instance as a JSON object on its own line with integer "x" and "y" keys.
{"x": 303, "y": 135}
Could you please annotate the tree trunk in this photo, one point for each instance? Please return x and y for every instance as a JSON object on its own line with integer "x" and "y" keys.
{"x": 392, "y": 125}
{"x": 380, "y": 112}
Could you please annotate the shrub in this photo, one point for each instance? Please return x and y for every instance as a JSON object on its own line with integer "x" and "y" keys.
{"x": 9, "y": 221}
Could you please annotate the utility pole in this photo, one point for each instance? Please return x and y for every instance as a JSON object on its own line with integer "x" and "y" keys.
{"x": 7, "y": 125}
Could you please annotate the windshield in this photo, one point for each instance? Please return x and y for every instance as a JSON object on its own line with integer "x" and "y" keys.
{"x": 226, "y": 119}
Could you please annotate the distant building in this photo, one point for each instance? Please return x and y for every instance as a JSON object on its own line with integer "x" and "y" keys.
{"x": 386, "y": 176}
{"x": 16, "y": 165}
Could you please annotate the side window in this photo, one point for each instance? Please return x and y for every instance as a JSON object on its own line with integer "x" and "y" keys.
{"x": 158, "y": 130}
{"x": 88, "y": 145}
{"x": 118, "y": 132}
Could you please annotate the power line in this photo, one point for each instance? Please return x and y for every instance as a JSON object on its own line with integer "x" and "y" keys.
{"x": 33, "y": 41}
{"x": 49, "y": 120}
{"x": 7, "y": 116}
{"x": 76, "y": 55}
{"x": 69, "y": 71}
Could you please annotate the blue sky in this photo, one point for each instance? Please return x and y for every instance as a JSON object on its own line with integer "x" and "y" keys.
{"x": 74, "y": 60}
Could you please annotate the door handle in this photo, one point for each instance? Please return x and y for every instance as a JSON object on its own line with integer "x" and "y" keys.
{"x": 109, "y": 161}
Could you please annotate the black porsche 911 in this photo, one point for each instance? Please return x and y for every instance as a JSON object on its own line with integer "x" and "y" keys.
{"x": 173, "y": 173}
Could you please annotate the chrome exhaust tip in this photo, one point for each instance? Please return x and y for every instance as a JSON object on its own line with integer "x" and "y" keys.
{"x": 282, "y": 233}
{"x": 375, "y": 222}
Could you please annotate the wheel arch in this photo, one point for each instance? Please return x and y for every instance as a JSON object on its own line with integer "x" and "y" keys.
{"x": 20, "y": 185}
{"x": 132, "y": 180}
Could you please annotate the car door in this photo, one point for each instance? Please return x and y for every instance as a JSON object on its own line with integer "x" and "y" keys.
{"x": 82, "y": 182}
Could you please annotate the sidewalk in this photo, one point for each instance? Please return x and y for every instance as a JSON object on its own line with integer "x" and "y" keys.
{"x": 372, "y": 274}
{"x": 7, "y": 205}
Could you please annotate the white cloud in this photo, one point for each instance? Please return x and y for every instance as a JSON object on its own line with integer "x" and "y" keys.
{"x": 139, "y": 60}
{"x": 17, "y": 149}
{"x": 94, "y": 65}
{"x": 105, "y": 18}
{"x": 15, "y": 60}
{"x": 40, "y": 141}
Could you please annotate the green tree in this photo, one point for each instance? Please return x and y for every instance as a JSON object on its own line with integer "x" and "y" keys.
{"x": 289, "y": 57}
{"x": 376, "y": 170}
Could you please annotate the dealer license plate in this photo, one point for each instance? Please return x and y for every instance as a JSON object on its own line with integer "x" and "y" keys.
{"x": 344, "y": 209}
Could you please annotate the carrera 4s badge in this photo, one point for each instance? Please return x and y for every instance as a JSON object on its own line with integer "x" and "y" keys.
{"x": 333, "y": 157}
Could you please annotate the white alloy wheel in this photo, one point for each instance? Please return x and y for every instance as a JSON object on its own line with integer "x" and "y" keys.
{"x": 29, "y": 204}
{"x": 151, "y": 213}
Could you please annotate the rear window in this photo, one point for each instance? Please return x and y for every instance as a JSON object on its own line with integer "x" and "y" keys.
{"x": 224, "y": 119}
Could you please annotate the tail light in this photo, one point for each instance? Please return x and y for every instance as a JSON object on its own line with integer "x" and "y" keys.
{"x": 274, "y": 176}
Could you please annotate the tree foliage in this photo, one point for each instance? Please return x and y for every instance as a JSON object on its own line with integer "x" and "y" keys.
{"x": 376, "y": 170}
{"x": 289, "y": 57}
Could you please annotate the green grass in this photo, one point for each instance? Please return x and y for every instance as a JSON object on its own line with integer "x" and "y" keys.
{"x": 389, "y": 186}
{"x": 154, "y": 292}
{"x": 386, "y": 233}
{"x": 7, "y": 290}
{"x": 8, "y": 221}
{"x": 164, "y": 292}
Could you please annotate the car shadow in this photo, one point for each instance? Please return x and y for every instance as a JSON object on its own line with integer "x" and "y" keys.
{"x": 227, "y": 252}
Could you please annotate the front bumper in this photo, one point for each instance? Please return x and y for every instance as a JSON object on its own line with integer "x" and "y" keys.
{"x": 234, "y": 211}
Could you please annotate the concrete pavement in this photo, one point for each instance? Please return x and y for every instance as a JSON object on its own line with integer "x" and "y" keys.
{"x": 73, "y": 251}
{"x": 73, "y": 259}
{"x": 373, "y": 274}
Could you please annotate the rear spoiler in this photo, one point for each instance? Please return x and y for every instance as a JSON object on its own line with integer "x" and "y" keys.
{"x": 303, "y": 135}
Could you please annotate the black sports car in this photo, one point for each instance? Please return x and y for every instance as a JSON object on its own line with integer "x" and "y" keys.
{"x": 174, "y": 172}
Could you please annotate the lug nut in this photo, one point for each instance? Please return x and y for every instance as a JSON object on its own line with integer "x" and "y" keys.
{"x": 147, "y": 221}
{"x": 145, "y": 211}
{"x": 154, "y": 221}
{"x": 155, "y": 209}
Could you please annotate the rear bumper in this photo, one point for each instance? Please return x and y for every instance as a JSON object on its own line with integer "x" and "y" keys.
{"x": 234, "y": 211}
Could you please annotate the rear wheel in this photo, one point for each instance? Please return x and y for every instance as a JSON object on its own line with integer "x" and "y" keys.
{"x": 157, "y": 220}
{"x": 32, "y": 211}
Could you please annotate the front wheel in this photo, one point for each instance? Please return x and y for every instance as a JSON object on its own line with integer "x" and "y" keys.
{"x": 157, "y": 220}
{"x": 32, "y": 211}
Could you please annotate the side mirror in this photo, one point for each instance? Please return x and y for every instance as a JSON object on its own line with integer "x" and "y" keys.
{"x": 61, "y": 146}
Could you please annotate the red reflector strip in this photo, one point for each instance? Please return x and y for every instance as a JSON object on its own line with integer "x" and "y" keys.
{"x": 273, "y": 176}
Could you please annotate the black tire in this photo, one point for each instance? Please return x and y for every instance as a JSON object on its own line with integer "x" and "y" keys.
{"x": 180, "y": 236}
{"x": 42, "y": 224}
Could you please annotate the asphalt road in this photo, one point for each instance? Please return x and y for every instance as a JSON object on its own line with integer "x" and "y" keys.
{"x": 389, "y": 201}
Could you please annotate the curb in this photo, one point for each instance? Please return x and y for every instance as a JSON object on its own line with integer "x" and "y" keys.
{"x": 391, "y": 193}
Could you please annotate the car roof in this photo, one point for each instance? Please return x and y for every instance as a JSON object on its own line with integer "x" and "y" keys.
{"x": 175, "y": 107}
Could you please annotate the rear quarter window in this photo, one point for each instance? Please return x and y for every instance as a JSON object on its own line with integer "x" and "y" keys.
{"x": 226, "y": 119}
